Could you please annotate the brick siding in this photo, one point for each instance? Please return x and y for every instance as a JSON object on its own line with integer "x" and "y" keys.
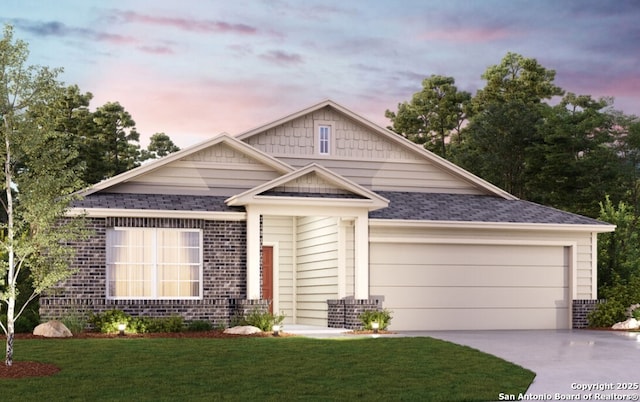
{"x": 224, "y": 274}
{"x": 581, "y": 309}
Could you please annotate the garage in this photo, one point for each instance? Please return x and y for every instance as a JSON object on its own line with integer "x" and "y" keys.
{"x": 462, "y": 286}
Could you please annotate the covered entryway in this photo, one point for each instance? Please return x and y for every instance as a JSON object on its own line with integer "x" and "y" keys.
{"x": 472, "y": 286}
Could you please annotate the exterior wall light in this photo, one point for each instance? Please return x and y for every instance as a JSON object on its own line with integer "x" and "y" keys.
{"x": 276, "y": 330}
{"x": 121, "y": 328}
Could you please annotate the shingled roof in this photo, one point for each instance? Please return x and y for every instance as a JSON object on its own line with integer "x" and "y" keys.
{"x": 402, "y": 206}
{"x": 169, "y": 202}
{"x": 472, "y": 208}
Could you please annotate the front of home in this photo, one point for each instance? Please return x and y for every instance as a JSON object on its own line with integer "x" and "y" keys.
{"x": 320, "y": 215}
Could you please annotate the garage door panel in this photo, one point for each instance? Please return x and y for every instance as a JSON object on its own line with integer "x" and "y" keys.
{"x": 457, "y": 254}
{"x": 489, "y": 319}
{"x": 472, "y": 286}
{"x": 466, "y": 275}
{"x": 473, "y": 298}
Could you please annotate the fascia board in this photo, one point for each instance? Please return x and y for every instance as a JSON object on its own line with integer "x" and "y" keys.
{"x": 153, "y": 213}
{"x": 492, "y": 225}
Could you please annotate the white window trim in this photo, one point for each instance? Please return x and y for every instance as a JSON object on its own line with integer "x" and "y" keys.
{"x": 155, "y": 264}
{"x": 316, "y": 137}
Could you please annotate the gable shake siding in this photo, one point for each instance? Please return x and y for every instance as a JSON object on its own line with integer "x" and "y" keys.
{"x": 224, "y": 274}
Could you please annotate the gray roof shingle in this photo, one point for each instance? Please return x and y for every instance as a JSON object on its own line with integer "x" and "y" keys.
{"x": 170, "y": 202}
{"x": 472, "y": 208}
{"x": 402, "y": 206}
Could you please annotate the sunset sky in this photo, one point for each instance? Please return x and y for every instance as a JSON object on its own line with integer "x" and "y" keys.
{"x": 195, "y": 68}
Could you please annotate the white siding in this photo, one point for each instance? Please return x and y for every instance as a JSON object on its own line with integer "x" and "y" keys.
{"x": 278, "y": 230}
{"x": 317, "y": 268}
{"x": 218, "y": 170}
{"x": 359, "y": 154}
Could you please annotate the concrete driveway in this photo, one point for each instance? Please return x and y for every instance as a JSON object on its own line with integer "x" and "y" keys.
{"x": 569, "y": 364}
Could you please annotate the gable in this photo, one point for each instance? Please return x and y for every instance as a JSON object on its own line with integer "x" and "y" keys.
{"x": 362, "y": 152}
{"x": 312, "y": 184}
{"x": 222, "y": 167}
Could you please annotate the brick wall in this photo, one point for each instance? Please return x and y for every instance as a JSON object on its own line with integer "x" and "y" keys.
{"x": 224, "y": 274}
{"x": 345, "y": 313}
{"x": 581, "y": 309}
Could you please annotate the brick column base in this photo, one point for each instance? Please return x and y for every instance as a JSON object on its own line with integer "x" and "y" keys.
{"x": 581, "y": 309}
{"x": 345, "y": 313}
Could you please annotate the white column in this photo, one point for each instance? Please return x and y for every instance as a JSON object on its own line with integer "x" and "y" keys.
{"x": 362, "y": 256}
{"x": 253, "y": 254}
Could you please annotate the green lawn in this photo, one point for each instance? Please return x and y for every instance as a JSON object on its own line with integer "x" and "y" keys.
{"x": 289, "y": 368}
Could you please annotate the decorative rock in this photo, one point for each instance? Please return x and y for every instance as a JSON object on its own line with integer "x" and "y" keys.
{"x": 631, "y": 323}
{"x": 243, "y": 330}
{"x": 52, "y": 329}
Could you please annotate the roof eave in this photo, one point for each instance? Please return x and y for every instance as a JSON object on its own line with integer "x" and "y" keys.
{"x": 434, "y": 224}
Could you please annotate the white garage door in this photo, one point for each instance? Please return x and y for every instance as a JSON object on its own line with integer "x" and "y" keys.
{"x": 462, "y": 286}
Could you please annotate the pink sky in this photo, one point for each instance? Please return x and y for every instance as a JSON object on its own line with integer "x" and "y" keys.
{"x": 193, "y": 68}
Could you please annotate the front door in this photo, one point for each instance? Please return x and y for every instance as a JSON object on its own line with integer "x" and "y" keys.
{"x": 267, "y": 275}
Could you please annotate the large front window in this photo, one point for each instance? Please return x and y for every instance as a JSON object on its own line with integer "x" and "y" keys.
{"x": 152, "y": 263}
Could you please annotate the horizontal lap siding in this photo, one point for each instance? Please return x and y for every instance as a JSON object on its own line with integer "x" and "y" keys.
{"x": 279, "y": 230}
{"x": 317, "y": 273}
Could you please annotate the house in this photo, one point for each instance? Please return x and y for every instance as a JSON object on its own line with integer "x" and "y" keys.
{"x": 321, "y": 215}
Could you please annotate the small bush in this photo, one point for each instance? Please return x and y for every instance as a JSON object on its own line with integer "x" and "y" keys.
{"x": 108, "y": 321}
{"x": 382, "y": 317}
{"x": 199, "y": 326}
{"x": 260, "y": 319}
{"x": 75, "y": 320}
{"x": 606, "y": 314}
{"x": 174, "y": 323}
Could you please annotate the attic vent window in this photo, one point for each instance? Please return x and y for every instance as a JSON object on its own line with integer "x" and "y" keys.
{"x": 324, "y": 139}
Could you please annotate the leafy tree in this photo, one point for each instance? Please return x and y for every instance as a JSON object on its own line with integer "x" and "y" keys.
{"x": 37, "y": 182}
{"x": 574, "y": 166}
{"x": 618, "y": 252}
{"x": 508, "y": 113}
{"x": 112, "y": 140}
{"x": 160, "y": 145}
{"x": 433, "y": 114}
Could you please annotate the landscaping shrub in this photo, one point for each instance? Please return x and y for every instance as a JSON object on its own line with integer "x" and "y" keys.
{"x": 382, "y": 317}
{"x": 199, "y": 326}
{"x": 260, "y": 319}
{"x": 75, "y": 320}
{"x": 606, "y": 314}
{"x": 618, "y": 299}
{"x": 174, "y": 323}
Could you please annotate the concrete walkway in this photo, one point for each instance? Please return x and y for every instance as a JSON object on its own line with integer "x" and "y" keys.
{"x": 569, "y": 364}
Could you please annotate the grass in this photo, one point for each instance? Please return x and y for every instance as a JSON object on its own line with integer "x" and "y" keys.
{"x": 291, "y": 368}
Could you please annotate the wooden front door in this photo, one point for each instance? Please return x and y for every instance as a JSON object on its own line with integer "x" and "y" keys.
{"x": 267, "y": 275}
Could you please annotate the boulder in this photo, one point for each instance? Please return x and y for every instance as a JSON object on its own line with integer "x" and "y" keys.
{"x": 243, "y": 330}
{"x": 52, "y": 329}
{"x": 631, "y": 323}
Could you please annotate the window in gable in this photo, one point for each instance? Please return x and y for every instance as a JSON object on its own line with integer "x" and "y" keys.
{"x": 324, "y": 139}
{"x": 154, "y": 263}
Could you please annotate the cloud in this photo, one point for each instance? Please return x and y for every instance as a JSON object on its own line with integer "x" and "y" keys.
{"x": 185, "y": 24}
{"x": 467, "y": 35}
{"x": 59, "y": 29}
{"x": 282, "y": 58}
{"x": 156, "y": 49}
